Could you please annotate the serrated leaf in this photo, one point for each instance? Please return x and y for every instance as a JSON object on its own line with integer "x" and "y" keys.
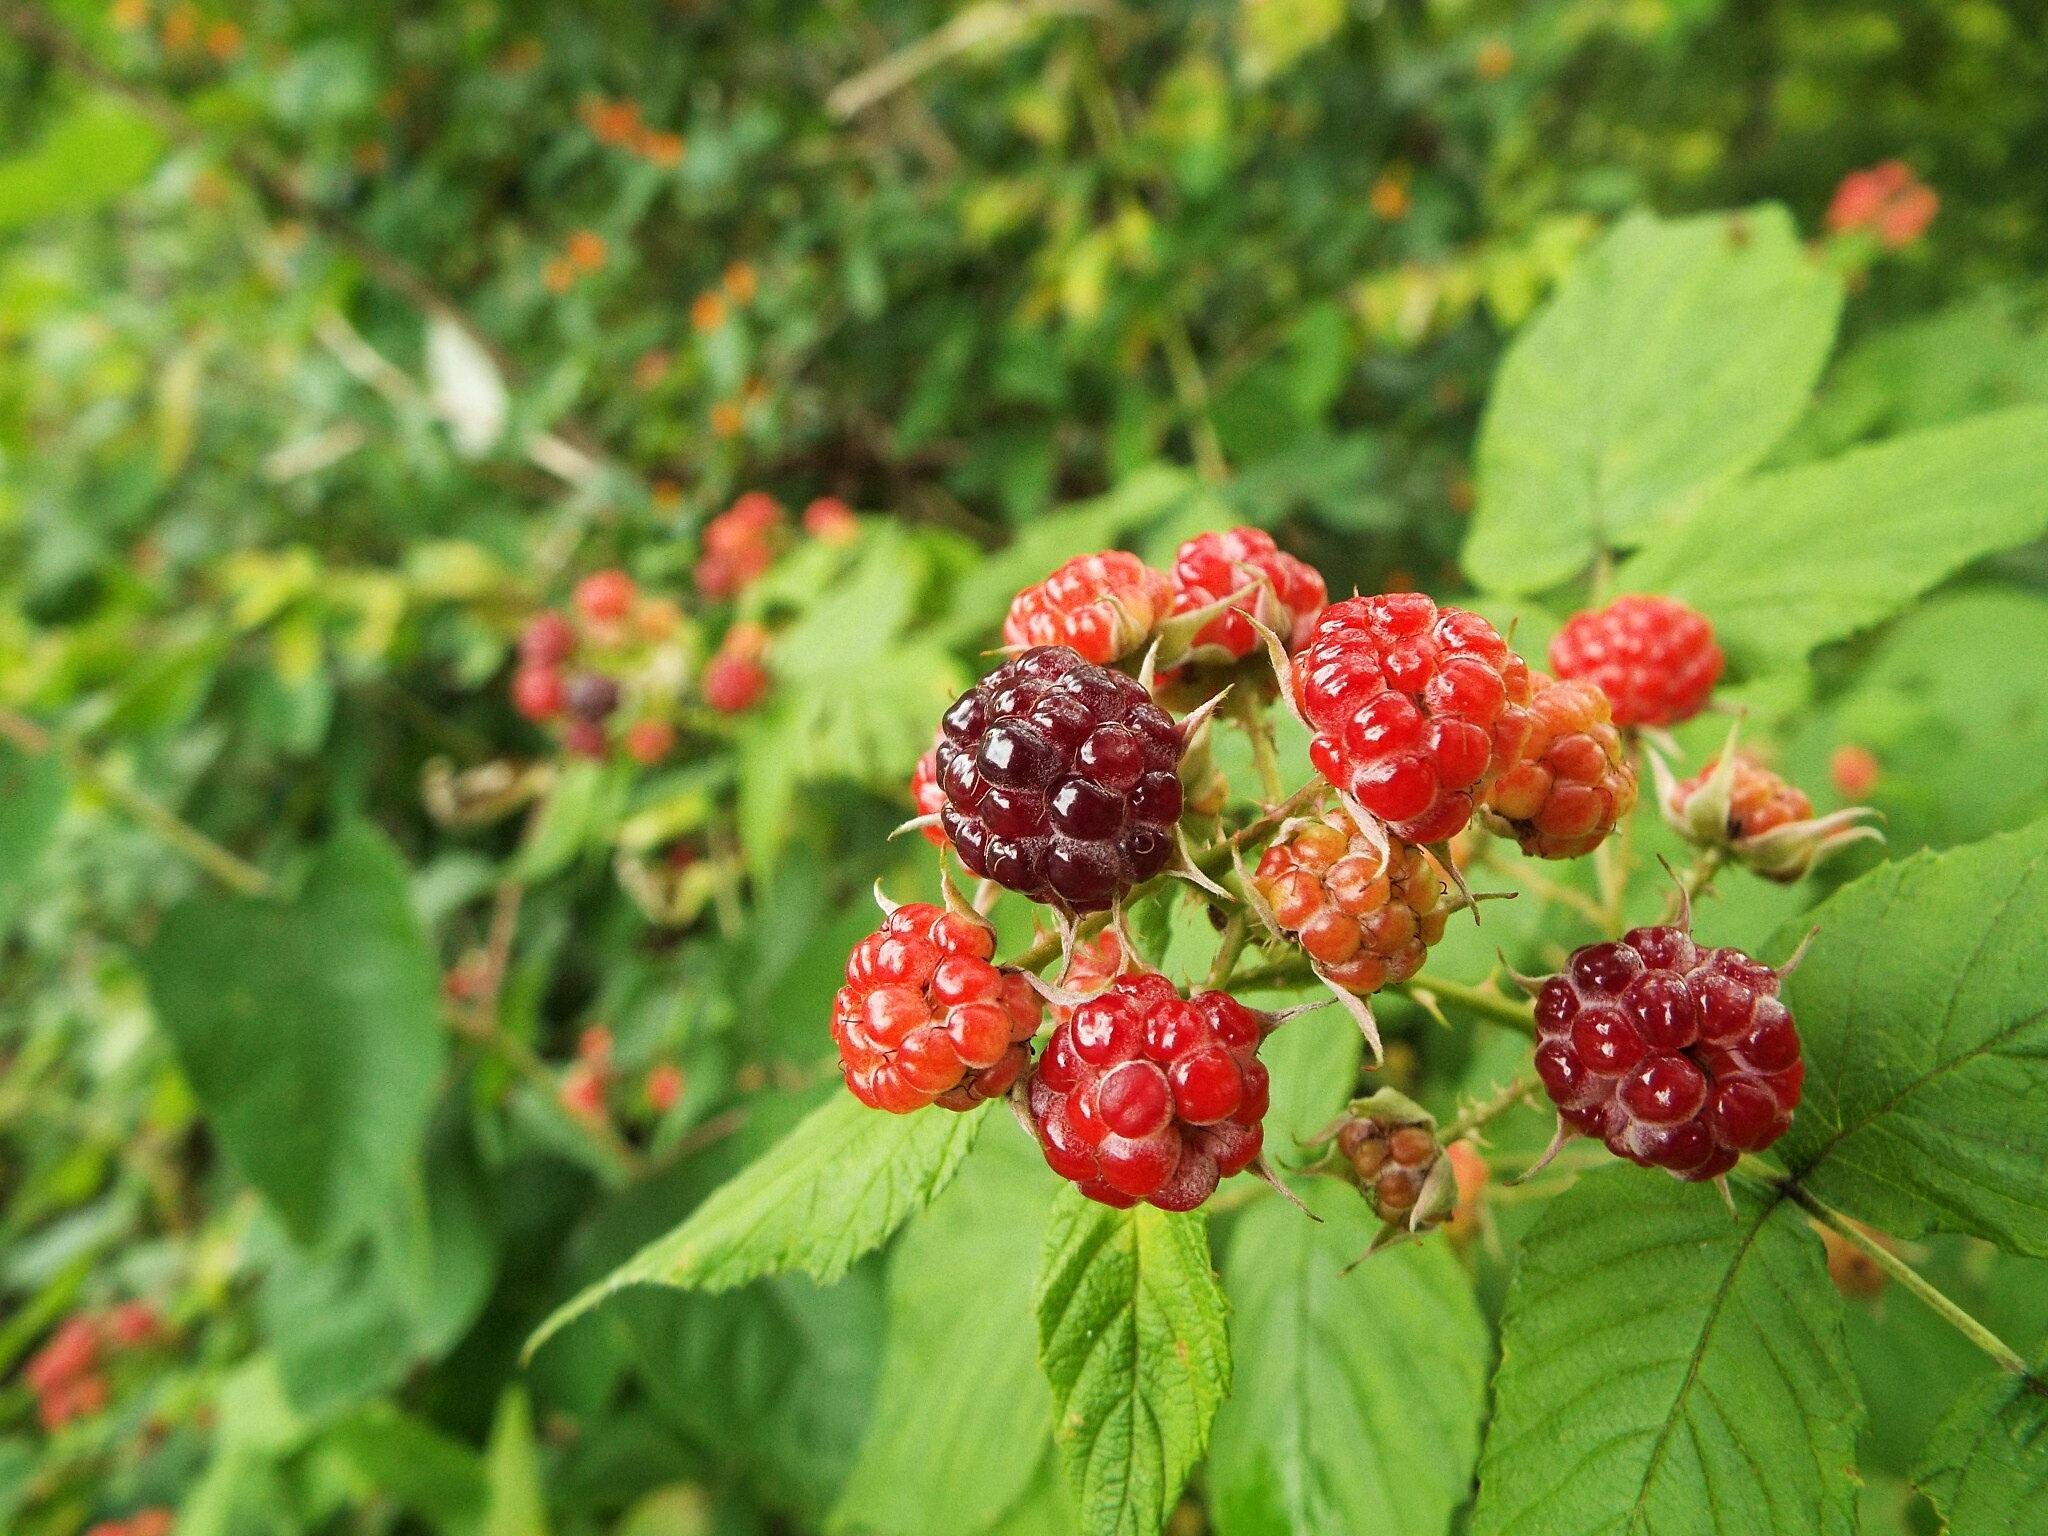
{"x": 962, "y": 1419}
{"x": 836, "y": 1187}
{"x": 1132, "y": 1339}
{"x": 1923, "y": 1008}
{"x": 310, "y": 1030}
{"x": 1339, "y": 1378}
{"x": 1986, "y": 1469}
{"x": 1789, "y": 561}
{"x": 1670, "y": 1368}
{"x": 1667, "y": 364}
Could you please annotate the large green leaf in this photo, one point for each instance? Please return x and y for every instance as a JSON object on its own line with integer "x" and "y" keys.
{"x": 1340, "y": 1377}
{"x": 1667, "y": 364}
{"x": 1923, "y": 1005}
{"x": 310, "y": 1030}
{"x": 1668, "y": 1367}
{"x": 1132, "y": 1337}
{"x": 1788, "y": 561}
{"x": 1986, "y": 1468}
{"x": 836, "y": 1187}
{"x": 96, "y": 151}
{"x": 962, "y": 1418}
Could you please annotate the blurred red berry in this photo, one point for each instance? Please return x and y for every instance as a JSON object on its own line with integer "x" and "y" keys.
{"x": 537, "y": 692}
{"x": 832, "y": 520}
{"x": 1886, "y": 199}
{"x": 583, "y": 1091}
{"x": 71, "y": 1351}
{"x": 1854, "y": 769}
{"x": 739, "y": 544}
{"x": 134, "y": 1324}
{"x": 664, "y": 1087}
{"x": 733, "y": 683}
{"x": 594, "y": 1046}
{"x": 606, "y": 597}
{"x": 548, "y": 640}
{"x": 586, "y": 738}
{"x": 649, "y": 741}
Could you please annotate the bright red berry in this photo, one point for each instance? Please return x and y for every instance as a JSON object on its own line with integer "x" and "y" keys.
{"x": 606, "y": 597}
{"x": 1143, "y": 1094}
{"x": 734, "y": 683}
{"x": 1101, "y": 606}
{"x": 1653, "y": 657}
{"x": 1573, "y": 783}
{"x": 1366, "y": 912}
{"x": 548, "y": 640}
{"x": 1060, "y": 780}
{"x": 1415, "y": 708}
{"x": 926, "y": 795}
{"x": 1678, "y": 1057}
{"x": 537, "y": 691}
{"x": 1211, "y": 566}
{"x": 649, "y": 741}
{"x": 926, "y": 1017}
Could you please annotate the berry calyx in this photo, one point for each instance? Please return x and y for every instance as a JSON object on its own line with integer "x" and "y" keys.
{"x": 1573, "y": 783}
{"x": 1677, "y": 1056}
{"x": 1653, "y": 657}
{"x": 1059, "y": 780}
{"x": 1759, "y": 800}
{"x": 926, "y": 1017}
{"x": 1101, "y": 606}
{"x": 1416, "y": 708}
{"x": 1211, "y": 566}
{"x": 1142, "y": 1094}
{"x": 1365, "y": 912}
{"x": 1766, "y": 824}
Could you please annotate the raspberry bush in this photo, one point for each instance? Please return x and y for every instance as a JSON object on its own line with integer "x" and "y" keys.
{"x": 1354, "y": 695}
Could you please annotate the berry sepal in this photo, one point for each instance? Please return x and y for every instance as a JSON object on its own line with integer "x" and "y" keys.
{"x": 1387, "y": 1147}
{"x": 1740, "y": 809}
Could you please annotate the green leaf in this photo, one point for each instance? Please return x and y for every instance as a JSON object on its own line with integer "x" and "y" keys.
{"x": 1132, "y": 1338}
{"x": 1667, "y": 364}
{"x": 1986, "y": 1469}
{"x": 836, "y": 1187}
{"x": 310, "y": 1031}
{"x": 1340, "y": 1377}
{"x": 1668, "y": 1367}
{"x": 32, "y": 791}
{"x": 518, "y": 1496}
{"x": 414, "y": 1464}
{"x": 961, "y": 1408}
{"x": 1923, "y": 1007}
{"x": 99, "y": 149}
{"x": 1792, "y": 560}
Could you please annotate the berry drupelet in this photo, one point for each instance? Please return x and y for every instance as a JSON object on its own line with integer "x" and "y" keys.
{"x": 1678, "y": 1057}
{"x": 1142, "y": 1094}
{"x": 1415, "y": 708}
{"x": 926, "y": 1018}
{"x": 1060, "y": 780}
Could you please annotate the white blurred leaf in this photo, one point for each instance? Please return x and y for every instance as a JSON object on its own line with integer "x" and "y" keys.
{"x": 466, "y": 388}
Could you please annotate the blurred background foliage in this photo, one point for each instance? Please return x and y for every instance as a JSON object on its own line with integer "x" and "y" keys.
{"x": 338, "y": 338}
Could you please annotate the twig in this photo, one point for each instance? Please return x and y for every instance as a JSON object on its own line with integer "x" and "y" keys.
{"x": 1481, "y": 1113}
{"x": 987, "y": 23}
{"x": 1235, "y": 931}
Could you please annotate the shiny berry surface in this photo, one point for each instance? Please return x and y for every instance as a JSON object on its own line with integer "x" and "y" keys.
{"x": 1101, "y": 606}
{"x": 926, "y": 1017}
{"x": 1142, "y": 1094}
{"x": 1212, "y": 566}
{"x": 1416, "y": 708}
{"x": 1654, "y": 657}
{"x": 1677, "y": 1056}
{"x": 1060, "y": 780}
{"x": 1573, "y": 783}
{"x": 1366, "y": 914}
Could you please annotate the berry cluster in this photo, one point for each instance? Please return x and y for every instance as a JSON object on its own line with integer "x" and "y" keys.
{"x": 609, "y": 671}
{"x": 1573, "y": 784}
{"x": 740, "y": 544}
{"x": 1886, "y": 200}
{"x": 926, "y": 1018}
{"x": 1143, "y": 1094}
{"x": 68, "y": 1375}
{"x": 1059, "y": 780}
{"x": 1678, "y": 1057}
{"x": 1653, "y": 657}
{"x": 1365, "y": 912}
{"x": 1416, "y": 708}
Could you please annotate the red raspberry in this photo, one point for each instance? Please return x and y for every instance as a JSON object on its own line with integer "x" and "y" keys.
{"x": 537, "y": 691}
{"x": 1145, "y": 1095}
{"x": 1060, "y": 780}
{"x": 925, "y": 1018}
{"x": 1677, "y": 1057}
{"x": 734, "y": 683}
{"x": 606, "y": 597}
{"x": 926, "y": 795}
{"x": 1573, "y": 784}
{"x": 72, "y": 1351}
{"x": 649, "y": 741}
{"x": 548, "y": 640}
{"x": 739, "y": 544}
{"x": 1759, "y": 801}
{"x": 1655, "y": 658}
{"x": 1103, "y": 606}
{"x": 1415, "y": 708}
{"x": 832, "y": 520}
{"x": 1211, "y": 566}
{"x": 1366, "y": 914}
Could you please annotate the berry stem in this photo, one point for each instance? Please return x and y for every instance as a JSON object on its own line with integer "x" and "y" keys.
{"x": 1543, "y": 888}
{"x": 1259, "y": 731}
{"x": 1897, "y": 1268}
{"x": 1235, "y": 931}
{"x": 236, "y": 873}
{"x": 1486, "y": 1002}
{"x": 1489, "y": 1109}
{"x": 1614, "y": 863}
{"x": 1697, "y": 877}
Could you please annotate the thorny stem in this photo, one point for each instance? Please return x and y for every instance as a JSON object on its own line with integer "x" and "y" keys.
{"x": 1244, "y": 708}
{"x": 1487, "y": 1110}
{"x": 1541, "y": 886}
{"x": 238, "y": 874}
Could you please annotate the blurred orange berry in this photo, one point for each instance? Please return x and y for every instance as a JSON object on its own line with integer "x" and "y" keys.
{"x": 1906, "y": 220}
{"x": 665, "y": 493}
{"x": 649, "y": 741}
{"x": 558, "y": 275}
{"x": 594, "y": 1045}
{"x": 612, "y": 122}
{"x": 650, "y": 368}
{"x": 181, "y": 27}
{"x": 606, "y": 596}
{"x": 224, "y": 40}
{"x": 726, "y": 419}
{"x": 1494, "y": 59}
{"x": 740, "y": 282}
{"x": 1854, "y": 770}
{"x": 129, "y": 15}
{"x": 520, "y": 55}
{"x": 832, "y": 520}
{"x": 707, "y": 312}
{"x": 664, "y": 1087}
{"x": 586, "y": 249}
{"x": 1390, "y": 198}
{"x": 660, "y": 147}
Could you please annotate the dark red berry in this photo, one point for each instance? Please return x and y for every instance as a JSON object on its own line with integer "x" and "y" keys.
{"x": 1416, "y": 708}
{"x": 590, "y": 695}
{"x": 1142, "y": 1094}
{"x": 1211, "y": 566}
{"x": 1677, "y": 1057}
{"x": 926, "y": 1018}
{"x": 1654, "y": 657}
{"x": 1060, "y": 780}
